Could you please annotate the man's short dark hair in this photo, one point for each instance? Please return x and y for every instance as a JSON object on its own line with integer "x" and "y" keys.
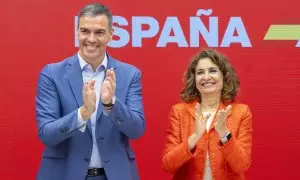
{"x": 96, "y": 9}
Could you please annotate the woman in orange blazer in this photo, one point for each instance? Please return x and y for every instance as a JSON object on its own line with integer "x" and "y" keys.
{"x": 210, "y": 136}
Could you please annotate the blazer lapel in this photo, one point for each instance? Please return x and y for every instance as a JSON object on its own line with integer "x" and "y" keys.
{"x": 76, "y": 82}
{"x": 75, "y": 78}
{"x": 191, "y": 108}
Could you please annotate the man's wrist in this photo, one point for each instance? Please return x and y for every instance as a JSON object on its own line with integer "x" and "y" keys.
{"x": 109, "y": 105}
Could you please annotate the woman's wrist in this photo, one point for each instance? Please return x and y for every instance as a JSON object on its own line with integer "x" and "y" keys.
{"x": 192, "y": 141}
{"x": 223, "y": 133}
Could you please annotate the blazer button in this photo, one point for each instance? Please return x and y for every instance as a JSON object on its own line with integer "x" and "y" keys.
{"x": 67, "y": 129}
{"x": 100, "y": 138}
{"x": 62, "y": 130}
{"x": 106, "y": 161}
{"x": 118, "y": 122}
{"x": 213, "y": 155}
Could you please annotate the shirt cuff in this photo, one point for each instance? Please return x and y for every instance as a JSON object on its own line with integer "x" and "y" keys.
{"x": 81, "y": 123}
{"x": 106, "y": 112}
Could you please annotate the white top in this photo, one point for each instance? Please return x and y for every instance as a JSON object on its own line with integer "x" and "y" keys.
{"x": 207, "y": 171}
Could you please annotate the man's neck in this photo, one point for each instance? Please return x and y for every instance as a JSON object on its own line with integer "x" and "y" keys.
{"x": 94, "y": 62}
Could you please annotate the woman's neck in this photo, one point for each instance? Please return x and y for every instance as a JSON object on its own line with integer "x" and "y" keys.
{"x": 210, "y": 104}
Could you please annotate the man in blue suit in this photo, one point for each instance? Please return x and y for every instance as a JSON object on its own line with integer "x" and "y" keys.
{"x": 88, "y": 106}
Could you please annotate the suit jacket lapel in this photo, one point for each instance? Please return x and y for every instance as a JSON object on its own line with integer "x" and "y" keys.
{"x": 76, "y": 82}
{"x": 75, "y": 78}
{"x": 191, "y": 108}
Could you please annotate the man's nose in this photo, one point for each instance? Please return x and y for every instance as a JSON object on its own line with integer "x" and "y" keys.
{"x": 91, "y": 38}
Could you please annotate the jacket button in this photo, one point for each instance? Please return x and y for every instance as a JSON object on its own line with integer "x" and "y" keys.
{"x": 213, "y": 155}
{"x": 62, "y": 130}
{"x": 100, "y": 138}
{"x": 118, "y": 122}
{"x": 67, "y": 129}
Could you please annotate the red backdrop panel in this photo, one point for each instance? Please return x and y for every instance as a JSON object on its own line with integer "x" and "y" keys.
{"x": 36, "y": 32}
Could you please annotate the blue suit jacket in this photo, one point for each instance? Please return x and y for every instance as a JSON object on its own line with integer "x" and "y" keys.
{"x": 68, "y": 150}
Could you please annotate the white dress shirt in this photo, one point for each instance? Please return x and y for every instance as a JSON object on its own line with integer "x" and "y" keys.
{"x": 89, "y": 74}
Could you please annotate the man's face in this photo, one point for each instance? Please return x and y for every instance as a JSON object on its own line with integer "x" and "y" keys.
{"x": 93, "y": 36}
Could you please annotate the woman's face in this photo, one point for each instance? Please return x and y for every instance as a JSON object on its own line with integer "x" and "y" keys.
{"x": 208, "y": 77}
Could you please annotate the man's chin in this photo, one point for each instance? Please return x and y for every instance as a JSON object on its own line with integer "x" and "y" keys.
{"x": 91, "y": 56}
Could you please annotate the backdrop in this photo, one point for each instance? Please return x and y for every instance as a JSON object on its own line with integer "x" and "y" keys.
{"x": 160, "y": 38}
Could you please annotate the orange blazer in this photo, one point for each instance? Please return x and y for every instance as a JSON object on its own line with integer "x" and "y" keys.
{"x": 228, "y": 161}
